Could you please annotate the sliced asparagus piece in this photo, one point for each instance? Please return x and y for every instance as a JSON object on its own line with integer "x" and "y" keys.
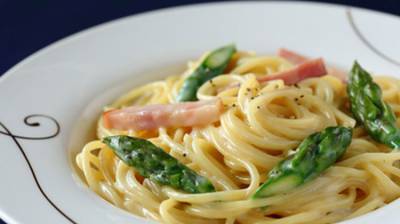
{"x": 314, "y": 155}
{"x": 152, "y": 162}
{"x": 369, "y": 109}
{"x": 213, "y": 65}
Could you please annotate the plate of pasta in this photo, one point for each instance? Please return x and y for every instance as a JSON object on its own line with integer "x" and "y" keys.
{"x": 226, "y": 113}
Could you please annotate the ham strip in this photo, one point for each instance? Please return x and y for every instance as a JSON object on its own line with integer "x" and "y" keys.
{"x": 309, "y": 69}
{"x": 151, "y": 117}
{"x": 296, "y": 59}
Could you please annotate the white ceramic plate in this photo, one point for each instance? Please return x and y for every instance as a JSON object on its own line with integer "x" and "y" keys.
{"x": 60, "y": 90}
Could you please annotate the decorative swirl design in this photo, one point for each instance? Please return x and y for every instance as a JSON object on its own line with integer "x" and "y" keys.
{"x": 28, "y": 120}
{"x": 367, "y": 43}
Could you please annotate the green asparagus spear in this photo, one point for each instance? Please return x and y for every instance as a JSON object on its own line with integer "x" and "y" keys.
{"x": 153, "y": 163}
{"x": 369, "y": 109}
{"x": 314, "y": 155}
{"x": 214, "y": 64}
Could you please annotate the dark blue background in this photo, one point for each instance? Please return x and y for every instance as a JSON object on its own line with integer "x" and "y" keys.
{"x": 28, "y": 25}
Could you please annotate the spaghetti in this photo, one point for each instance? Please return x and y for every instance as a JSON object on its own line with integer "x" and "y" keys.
{"x": 261, "y": 124}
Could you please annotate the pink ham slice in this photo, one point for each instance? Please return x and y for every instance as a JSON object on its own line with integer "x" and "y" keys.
{"x": 151, "y": 117}
{"x": 308, "y": 69}
{"x": 296, "y": 59}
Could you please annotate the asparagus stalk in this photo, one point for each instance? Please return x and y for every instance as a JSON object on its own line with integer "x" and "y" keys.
{"x": 153, "y": 163}
{"x": 314, "y": 155}
{"x": 369, "y": 109}
{"x": 213, "y": 65}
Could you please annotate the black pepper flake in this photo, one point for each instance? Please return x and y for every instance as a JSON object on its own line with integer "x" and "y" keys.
{"x": 296, "y": 99}
{"x": 301, "y": 96}
{"x": 297, "y": 86}
{"x": 233, "y": 105}
{"x": 212, "y": 83}
{"x": 248, "y": 89}
{"x": 252, "y": 98}
{"x": 184, "y": 154}
{"x": 258, "y": 107}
